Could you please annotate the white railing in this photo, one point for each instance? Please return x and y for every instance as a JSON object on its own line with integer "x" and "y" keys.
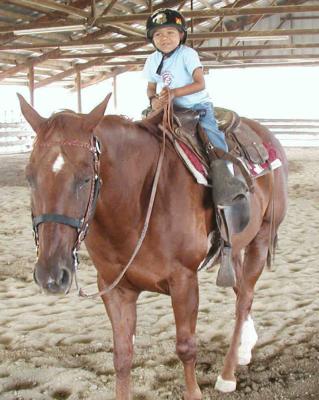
{"x": 294, "y": 132}
{"x": 15, "y": 137}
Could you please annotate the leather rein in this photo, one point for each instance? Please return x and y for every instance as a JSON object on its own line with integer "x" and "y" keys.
{"x": 82, "y": 224}
{"x": 167, "y": 124}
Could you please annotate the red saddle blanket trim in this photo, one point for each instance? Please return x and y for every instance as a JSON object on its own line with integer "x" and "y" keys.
{"x": 272, "y": 152}
{"x": 255, "y": 170}
{"x": 273, "y": 162}
{"x": 193, "y": 158}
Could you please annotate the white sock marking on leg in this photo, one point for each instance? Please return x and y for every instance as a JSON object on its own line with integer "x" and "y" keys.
{"x": 247, "y": 342}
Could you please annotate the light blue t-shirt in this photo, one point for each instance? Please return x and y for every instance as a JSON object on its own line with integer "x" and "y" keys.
{"x": 177, "y": 72}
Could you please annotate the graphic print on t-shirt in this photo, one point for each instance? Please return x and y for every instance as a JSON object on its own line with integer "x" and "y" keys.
{"x": 167, "y": 78}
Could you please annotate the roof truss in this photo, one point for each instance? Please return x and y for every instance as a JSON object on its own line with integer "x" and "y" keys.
{"x": 111, "y": 36}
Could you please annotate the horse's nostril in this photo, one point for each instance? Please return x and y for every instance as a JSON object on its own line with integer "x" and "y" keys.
{"x": 56, "y": 280}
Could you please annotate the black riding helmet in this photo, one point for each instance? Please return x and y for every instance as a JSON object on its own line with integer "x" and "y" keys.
{"x": 166, "y": 17}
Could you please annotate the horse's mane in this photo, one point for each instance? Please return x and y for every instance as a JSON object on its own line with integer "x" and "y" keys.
{"x": 62, "y": 112}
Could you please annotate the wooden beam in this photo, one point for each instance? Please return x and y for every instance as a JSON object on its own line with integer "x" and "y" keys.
{"x": 215, "y": 49}
{"x": 222, "y": 59}
{"x": 261, "y": 47}
{"x": 263, "y": 65}
{"x": 255, "y": 19}
{"x": 192, "y": 36}
{"x": 112, "y": 54}
{"x": 54, "y": 6}
{"x": 267, "y": 57}
{"x": 115, "y": 63}
{"x": 28, "y": 64}
{"x": 198, "y": 14}
{"x": 31, "y": 84}
{"x": 108, "y": 75}
{"x": 13, "y": 14}
{"x": 37, "y": 8}
{"x": 78, "y": 67}
{"x": 36, "y": 25}
{"x": 115, "y": 92}
{"x": 125, "y": 29}
{"x": 303, "y": 17}
{"x": 56, "y": 15}
{"x": 107, "y": 9}
{"x": 78, "y": 90}
{"x": 217, "y": 12}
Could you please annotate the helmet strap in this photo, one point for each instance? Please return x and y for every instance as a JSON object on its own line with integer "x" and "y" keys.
{"x": 164, "y": 57}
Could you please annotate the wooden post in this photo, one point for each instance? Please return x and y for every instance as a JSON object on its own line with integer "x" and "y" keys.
{"x": 192, "y": 23}
{"x": 78, "y": 89}
{"x": 93, "y": 10}
{"x": 31, "y": 84}
{"x": 114, "y": 92}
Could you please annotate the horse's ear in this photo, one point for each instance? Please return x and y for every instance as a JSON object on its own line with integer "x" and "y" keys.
{"x": 35, "y": 120}
{"x": 96, "y": 114}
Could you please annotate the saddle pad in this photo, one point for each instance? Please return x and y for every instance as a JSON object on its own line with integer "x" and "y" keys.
{"x": 200, "y": 173}
{"x": 192, "y": 162}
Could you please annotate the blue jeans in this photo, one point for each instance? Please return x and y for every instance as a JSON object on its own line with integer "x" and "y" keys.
{"x": 208, "y": 122}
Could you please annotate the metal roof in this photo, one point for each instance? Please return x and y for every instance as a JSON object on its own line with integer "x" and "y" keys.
{"x": 76, "y": 43}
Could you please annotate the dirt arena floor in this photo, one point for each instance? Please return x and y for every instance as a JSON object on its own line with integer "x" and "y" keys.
{"x": 61, "y": 347}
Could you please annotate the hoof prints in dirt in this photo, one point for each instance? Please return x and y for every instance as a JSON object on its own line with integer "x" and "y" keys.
{"x": 61, "y": 395}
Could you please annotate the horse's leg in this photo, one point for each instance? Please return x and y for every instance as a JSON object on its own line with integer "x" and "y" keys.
{"x": 120, "y": 305}
{"x": 184, "y": 294}
{"x": 244, "y": 332}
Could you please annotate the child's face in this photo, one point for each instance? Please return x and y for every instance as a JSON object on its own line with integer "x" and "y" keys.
{"x": 166, "y": 39}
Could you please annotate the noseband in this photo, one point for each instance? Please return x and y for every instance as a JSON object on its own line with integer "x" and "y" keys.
{"x": 80, "y": 224}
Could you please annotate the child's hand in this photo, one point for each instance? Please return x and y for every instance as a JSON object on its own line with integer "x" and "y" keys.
{"x": 166, "y": 95}
{"x": 156, "y": 103}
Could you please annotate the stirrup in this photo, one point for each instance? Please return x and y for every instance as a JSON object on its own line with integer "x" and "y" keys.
{"x": 226, "y": 275}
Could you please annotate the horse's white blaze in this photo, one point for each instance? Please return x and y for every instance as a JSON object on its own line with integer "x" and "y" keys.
{"x": 58, "y": 164}
{"x": 247, "y": 341}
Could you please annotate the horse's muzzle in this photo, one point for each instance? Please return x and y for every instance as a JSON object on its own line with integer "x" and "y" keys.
{"x": 56, "y": 280}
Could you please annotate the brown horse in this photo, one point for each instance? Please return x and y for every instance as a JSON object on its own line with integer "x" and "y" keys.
{"x": 62, "y": 173}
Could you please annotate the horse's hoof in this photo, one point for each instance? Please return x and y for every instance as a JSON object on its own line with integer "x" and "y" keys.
{"x": 225, "y": 386}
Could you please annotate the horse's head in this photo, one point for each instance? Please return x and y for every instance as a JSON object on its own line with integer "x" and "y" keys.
{"x": 64, "y": 181}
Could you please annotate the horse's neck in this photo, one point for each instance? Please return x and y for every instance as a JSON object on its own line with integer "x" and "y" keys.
{"x": 130, "y": 154}
{"x": 128, "y": 166}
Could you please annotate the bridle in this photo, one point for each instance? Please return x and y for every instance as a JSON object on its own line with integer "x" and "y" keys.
{"x": 80, "y": 224}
